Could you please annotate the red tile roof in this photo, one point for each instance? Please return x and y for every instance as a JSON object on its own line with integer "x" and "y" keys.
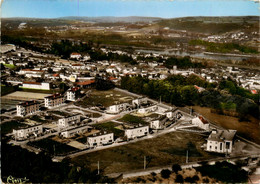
{"x": 203, "y": 120}
{"x": 35, "y": 83}
{"x": 88, "y": 82}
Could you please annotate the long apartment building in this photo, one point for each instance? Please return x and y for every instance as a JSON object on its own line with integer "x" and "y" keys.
{"x": 75, "y": 130}
{"x": 24, "y": 133}
{"x": 132, "y": 133}
{"x": 54, "y": 100}
{"x": 101, "y": 139}
{"x": 27, "y": 108}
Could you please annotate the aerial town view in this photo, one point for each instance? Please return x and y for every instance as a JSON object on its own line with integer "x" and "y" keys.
{"x": 130, "y": 91}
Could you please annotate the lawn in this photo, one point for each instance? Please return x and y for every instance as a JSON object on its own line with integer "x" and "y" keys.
{"x": 105, "y": 98}
{"x": 8, "y": 126}
{"x": 248, "y": 130}
{"x": 9, "y": 66}
{"x": 130, "y": 119}
{"x": 50, "y": 145}
{"x": 159, "y": 151}
{"x": 110, "y": 127}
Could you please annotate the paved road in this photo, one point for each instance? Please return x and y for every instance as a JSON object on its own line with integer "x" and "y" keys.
{"x": 143, "y": 172}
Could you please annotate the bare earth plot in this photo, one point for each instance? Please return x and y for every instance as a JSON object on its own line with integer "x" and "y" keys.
{"x": 248, "y": 130}
{"x": 25, "y": 95}
{"x": 160, "y": 151}
{"x": 105, "y": 98}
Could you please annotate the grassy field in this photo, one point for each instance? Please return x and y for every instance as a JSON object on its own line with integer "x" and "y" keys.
{"x": 6, "y": 90}
{"x": 134, "y": 120}
{"x": 8, "y": 127}
{"x": 248, "y": 130}
{"x": 50, "y": 145}
{"x": 159, "y": 151}
{"x": 110, "y": 127}
{"x": 105, "y": 98}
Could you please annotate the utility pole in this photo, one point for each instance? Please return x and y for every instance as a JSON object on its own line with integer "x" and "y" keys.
{"x": 144, "y": 162}
{"x": 98, "y": 167}
{"x": 187, "y": 157}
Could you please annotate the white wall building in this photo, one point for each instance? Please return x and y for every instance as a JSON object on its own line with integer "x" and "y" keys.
{"x": 28, "y": 107}
{"x": 54, "y": 100}
{"x": 73, "y": 93}
{"x": 117, "y": 108}
{"x": 132, "y": 133}
{"x": 24, "y": 133}
{"x": 143, "y": 110}
{"x": 221, "y": 141}
{"x": 139, "y": 101}
{"x": 98, "y": 140}
{"x": 36, "y": 85}
{"x": 200, "y": 122}
{"x": 69, "y": 121}
{"x": 75, "y": 130}
{"x": 75, "y": 55}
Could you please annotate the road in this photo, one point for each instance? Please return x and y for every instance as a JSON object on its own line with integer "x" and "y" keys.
{"x": 143, "y": 172}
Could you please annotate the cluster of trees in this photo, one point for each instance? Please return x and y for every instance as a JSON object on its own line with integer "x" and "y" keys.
{"x": 223, "y": 47}
{"x": 184, "y": 62}
{"x": 176, "y": 89}
{"x": 180, "y": 91}
{"x": 20, "y": 163}
{"x": 220, "y": 169}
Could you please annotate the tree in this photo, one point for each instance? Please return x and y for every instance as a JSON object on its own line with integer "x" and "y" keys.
{"x": 165, "y": 173}
{"x": 179, "y": 179}
{"x": 176, "y": 168}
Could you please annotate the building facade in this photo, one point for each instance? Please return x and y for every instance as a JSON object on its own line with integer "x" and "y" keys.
{"x": 75, "y": 130}
{"x": 27, "y": 108}
{"x": 98, "y": 140}
{"x": 54, "y": 100}
{"x": 24, "y": 133}
{"x": 69, "y": 121}
{"x": 221, "y": 141}
{"x": 73, "y": 94}
{"x": 136, "y": 132}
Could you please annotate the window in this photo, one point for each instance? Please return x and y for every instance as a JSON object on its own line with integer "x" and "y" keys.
{"x": 220, "y": 146}
{"x": 215, "y": 147}
{"x": 209, "y": 147}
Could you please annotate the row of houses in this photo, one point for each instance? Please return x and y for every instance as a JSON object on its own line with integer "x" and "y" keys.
{"x": 55, "y": 100}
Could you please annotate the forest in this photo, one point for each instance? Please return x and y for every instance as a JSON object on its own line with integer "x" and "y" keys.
{"x": 180, "y": 91}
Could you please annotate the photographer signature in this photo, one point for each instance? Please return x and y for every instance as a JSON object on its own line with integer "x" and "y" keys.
{"x": 12, "y": 179}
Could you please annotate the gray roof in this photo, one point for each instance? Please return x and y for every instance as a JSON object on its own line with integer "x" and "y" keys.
{"x": 222, "y": 135}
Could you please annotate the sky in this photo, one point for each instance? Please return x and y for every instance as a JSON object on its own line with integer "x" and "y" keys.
{"x": 122, "y": 8}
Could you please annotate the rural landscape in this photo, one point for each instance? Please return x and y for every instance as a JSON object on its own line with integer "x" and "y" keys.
{"x": 130, "y": 99}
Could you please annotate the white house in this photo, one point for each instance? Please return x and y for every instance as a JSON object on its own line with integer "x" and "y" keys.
{"x": 75, "y": 130}
{"x": 36, "y": 85}
{"x": 200, "y": 122}
{"x": 24, "y": 133}
{"x": 139, "y": 101}
{"x": 117, "y": 108}
{"x": 221, "y": 141}
{"x": 68, "y": 121}
{"x": 158, "y": 123}
{"x": 143, "y": 110}
{"x": 73, "y": 94}
{"x": 132, "y": 133}
{"x": 75, "y": 55}
{"x": 28, "y": 107}
{"x": 101, "y": 139}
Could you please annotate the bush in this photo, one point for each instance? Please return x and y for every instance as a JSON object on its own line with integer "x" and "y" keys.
{"x": 179, "y": 179}
{"x": 189, "y": 180}
{"x": 195, "y": 178}
{"x": 176, "y": 168}
{"x": 165, "y": 173}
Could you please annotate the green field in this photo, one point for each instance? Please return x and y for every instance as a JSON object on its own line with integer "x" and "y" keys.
{"x": 134, "y": 120}
{"x": 7, "y": 89}
{"x": 110, "y": 127}
{"x": 8, "y": 127}
{"x": 159, "y": 151}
